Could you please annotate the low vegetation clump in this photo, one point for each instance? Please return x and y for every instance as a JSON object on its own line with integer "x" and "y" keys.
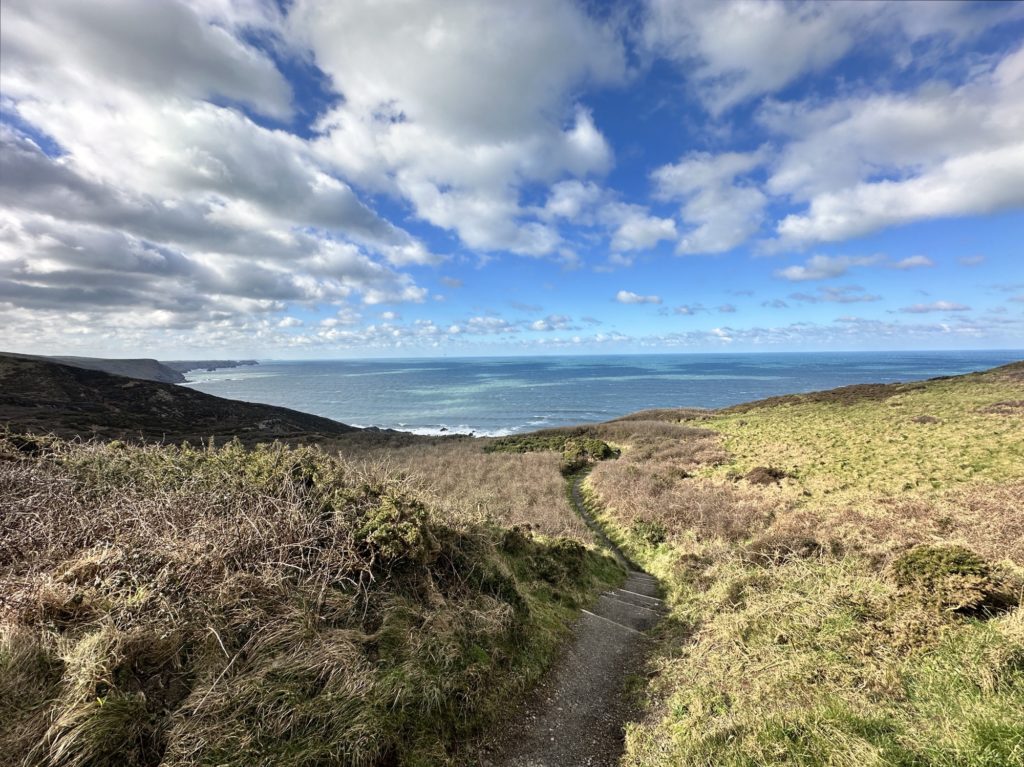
{"x": 577, "y": 448}
{"x": 274, "y": 606}
{"x": 845, "y": 571}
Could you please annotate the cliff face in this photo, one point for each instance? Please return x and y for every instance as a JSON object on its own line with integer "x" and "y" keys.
{"x": 41, "y": 396}
{"x": 146, "y": 369}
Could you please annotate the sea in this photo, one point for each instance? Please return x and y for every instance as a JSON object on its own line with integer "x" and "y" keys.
{"x": 497, "y": 396}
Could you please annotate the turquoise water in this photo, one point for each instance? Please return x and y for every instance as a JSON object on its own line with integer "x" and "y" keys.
{"x": 492, "y": 396}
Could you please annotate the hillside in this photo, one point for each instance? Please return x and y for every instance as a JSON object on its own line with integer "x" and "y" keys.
{"x": 40, "y": 396}
{"x": 846, "y": 569}
{"x": 844, "y": 572}
{"x": 146, "y": 369}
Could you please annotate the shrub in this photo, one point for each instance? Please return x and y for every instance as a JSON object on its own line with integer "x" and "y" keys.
{"x": 765, "y": 475}
{"x": 954, "y": 576}
{"x": 647, "y": 533}
{"x": 184, "y": 606}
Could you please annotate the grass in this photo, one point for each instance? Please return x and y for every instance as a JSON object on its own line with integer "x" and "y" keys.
{"x": 845, "y": 571}
{"x": 275, "y": 606}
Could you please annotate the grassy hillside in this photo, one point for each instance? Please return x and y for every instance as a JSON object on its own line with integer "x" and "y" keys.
{"x": 181, "y": 606}
{"x": 845, "y": 570}
{"x": 43, "y": 397}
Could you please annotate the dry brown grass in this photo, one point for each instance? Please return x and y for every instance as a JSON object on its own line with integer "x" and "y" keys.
{"x": 276, "y": 607}
{"x": 464, "y": 482}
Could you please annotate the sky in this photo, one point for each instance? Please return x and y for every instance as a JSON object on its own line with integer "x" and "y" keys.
{"x": 314, "y": 179}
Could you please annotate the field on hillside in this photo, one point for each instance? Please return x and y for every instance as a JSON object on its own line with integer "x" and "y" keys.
{"x": 845, "y": 571}
{"x": 220, "y": 606}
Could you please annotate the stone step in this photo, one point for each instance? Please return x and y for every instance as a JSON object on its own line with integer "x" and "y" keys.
{"x": 641, "y": 574}
{"x": 643, "y": 588}
{"x": 624, "y": 613}
{"x": 640, "y": 601}
{"x": 656, "y": 610}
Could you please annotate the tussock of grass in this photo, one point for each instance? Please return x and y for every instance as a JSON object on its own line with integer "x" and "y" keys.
{"x": 183, "y": 606}
{"x": 845, "y": 571}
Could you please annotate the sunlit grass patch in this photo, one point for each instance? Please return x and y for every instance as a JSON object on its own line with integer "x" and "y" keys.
{"x": 844, "y": 571}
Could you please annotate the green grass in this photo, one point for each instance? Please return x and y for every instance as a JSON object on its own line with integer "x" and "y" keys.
{"x": 922, "y": 438}
{"x": 578, "y": 450}
{"x": 861, "y": 607}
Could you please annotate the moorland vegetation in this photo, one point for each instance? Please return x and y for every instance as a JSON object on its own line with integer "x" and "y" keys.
{"x": 844, "y": 572}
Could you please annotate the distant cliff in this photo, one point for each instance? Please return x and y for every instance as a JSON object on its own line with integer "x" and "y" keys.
{"x": 42, "y": 396}
{"x": 146, "y": 369}
{"x": 184, "y": 366}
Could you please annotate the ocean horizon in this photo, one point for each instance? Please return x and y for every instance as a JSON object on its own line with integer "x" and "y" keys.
{"x": 497, "y": 396}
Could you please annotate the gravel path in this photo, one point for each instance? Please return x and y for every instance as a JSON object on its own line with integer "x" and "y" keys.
{"x": 577, "y": 714}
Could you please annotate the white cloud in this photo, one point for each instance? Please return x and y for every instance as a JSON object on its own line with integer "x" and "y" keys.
{"x": 724, "y": 209}
{"x": 870, "y": 162}
{"x": 573, "y": 200}
{"x": 635, "y": 228}
{"x": 821, "y": 267}
{"x": 935, "y": 306}
{"x": 912, "y": 262}
{"x": 847, "y": 294}
{"x": 167, "y": 47}
{"x": 422, "y": 117}
{"x": 553, "y": 322}
{"x": 971, "y": 260}
{"x": 629, "y": 297}
{"x": 736, "y": 50}
{"x": 161, "y": 206}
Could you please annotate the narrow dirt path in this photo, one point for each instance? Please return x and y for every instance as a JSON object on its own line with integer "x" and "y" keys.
{"x": 576, "y": 716}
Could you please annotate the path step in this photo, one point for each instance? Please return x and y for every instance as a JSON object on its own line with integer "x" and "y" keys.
{"x": 646, "y": 603}
{"x": 576, "y": 716}
{"x": 642, "y": 587}
{"x": 640, "y": 599}
{"x": 641, "y": 575}
{"x": 644, "y": 608}
{"x": 624, "y": 613}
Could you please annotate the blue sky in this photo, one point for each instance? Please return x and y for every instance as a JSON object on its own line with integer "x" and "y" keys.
{"x": 316, "y": 179}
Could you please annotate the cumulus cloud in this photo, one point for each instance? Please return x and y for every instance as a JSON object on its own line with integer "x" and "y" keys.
{"x": 629, "y": 297}
{"x": 736, "y": 50}
{"x": 868, "y": 162}
{"x": 976, "y": 260}
{"x": 553, "y": 322}
{"x": 820, "y": 267}
{"x": 422, "y": 119}
{"x": 165, "y": 47}
{"x": 722, "y": 207}
{"x": 635, "y": 228}
{"x": 161, "y": 201}
{"x": 935, "y": 306}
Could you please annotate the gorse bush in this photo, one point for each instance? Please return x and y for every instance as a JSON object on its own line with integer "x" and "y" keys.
{"x": 275, "y": 606}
